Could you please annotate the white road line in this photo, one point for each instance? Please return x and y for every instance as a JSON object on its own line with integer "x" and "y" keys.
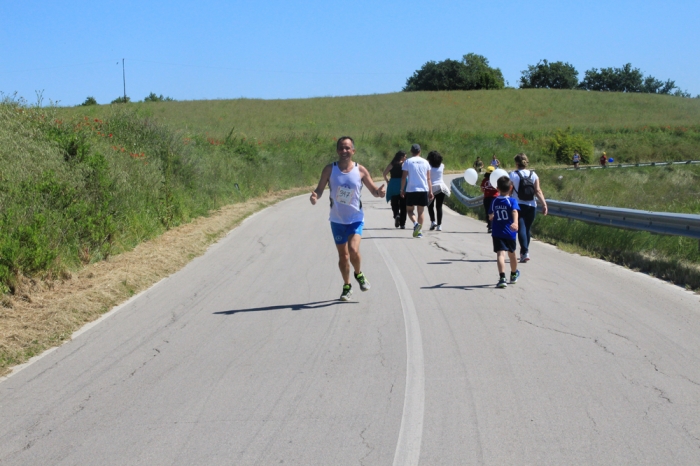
{"x": 411, "y": 433}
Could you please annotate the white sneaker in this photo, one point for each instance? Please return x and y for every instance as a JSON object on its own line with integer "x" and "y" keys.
{"x": 438, "y": 228}
{"x": 432, "y": 225}
{"x": 525, "y": 257}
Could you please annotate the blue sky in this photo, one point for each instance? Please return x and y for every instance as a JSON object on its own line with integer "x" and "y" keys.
{"x": 278, "y": 50}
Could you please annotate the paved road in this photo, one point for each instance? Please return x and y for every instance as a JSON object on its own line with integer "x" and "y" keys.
{"x": 246, "y": 357}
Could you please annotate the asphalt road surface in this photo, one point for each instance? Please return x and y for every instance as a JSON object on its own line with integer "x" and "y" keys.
{"x": 246, "y": 357}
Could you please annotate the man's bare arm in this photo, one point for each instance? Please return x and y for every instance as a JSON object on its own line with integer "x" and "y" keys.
{"x": 318, "y": 192}
{"x": 367, "y": 180}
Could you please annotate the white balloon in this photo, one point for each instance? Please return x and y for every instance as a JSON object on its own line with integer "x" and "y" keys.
{"x": 470, "y": 176}
{"x": 495, "y": 175}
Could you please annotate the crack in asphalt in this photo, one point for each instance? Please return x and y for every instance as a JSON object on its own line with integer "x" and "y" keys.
{"x": 662, "y": 394}
{"x": 366, "y": 444}
{"x": 520, "y": 319}
{"x": 601, "y": 345}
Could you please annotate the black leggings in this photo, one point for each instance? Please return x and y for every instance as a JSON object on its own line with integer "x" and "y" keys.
{"x": 398, "y": 207}
{"x": 437, "y": 201}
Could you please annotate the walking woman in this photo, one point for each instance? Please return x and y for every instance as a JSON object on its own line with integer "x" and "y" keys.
{"x": 526, "y": 189}
{"x": 393, "y": 190}
{"x": 440, "y": 189}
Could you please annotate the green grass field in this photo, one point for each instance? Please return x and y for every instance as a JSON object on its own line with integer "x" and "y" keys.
{"x": 79, "y": 184}
{"x": 478, "y": 112}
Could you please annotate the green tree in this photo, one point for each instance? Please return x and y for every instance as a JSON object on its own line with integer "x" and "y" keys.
{"x": 152, "y": 97}
{"x": 89, "y": 101}
{"x": 556, "y": 75}
{"x": 628, "y": 79}
{"x": 472, "y": 72}
{"x": 121, "y": 100}
{"x": 437, "y": 76}
{"x": 480, "y": 75}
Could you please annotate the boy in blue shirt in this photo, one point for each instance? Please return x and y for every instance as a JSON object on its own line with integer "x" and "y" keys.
{"x": 503, "y": 214}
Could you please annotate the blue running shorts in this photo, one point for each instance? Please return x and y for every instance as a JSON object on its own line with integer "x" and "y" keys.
{"x": 342, "y": 232}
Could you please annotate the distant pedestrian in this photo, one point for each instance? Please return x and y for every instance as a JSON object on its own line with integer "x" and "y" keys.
{"x": 603, "y": 160}
{"x": 504, "y": 220}
{"x": 495, "y": 163}
{"x": 440, "y": 189}
{"x": 345, "y": 179}
{"x": 490, "y": 193}
{"x": 526, "y": 190}
{"x": 576, "y": 159}
{"x": 478, "y": 165}
{"x": 416, "y": 188}
{"x": 393, "y": 189}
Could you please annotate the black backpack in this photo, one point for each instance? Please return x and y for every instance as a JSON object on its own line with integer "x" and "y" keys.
{"x": 527, "y": 187}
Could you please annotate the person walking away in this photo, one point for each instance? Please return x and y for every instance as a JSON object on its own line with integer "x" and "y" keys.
{"x": 526, "y": 190}
{"x": 416, "y": 188}
{"x": 440, "y": 189}
{"x": 504, "y": 221}
{"x": 495, "y": 163}
{"x": 576, "y": 160}
{"x": 478, "y": 165}
{"x": 393, "y": 189}
{"x": 490, "y": 193}
{"x": 603, "y": 160}
{"x": 345, "y": 179}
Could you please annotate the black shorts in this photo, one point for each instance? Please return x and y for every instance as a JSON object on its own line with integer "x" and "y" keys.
{"x": 417, "y": 198}
{"x": 503, "y": 244}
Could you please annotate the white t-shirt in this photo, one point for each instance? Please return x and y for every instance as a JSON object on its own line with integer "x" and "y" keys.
{"x": 417, "y": 168}
{"x": 516, "y": 184}
{"x": 436, "y": 174}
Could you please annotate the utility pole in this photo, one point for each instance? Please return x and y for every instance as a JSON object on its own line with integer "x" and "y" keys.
{"x": 124, "y": 78}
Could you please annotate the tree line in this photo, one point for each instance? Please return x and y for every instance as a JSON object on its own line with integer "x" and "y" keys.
{"x": 473, "y": 72}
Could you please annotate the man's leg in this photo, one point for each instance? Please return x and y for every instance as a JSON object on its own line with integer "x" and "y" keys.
{"x": 411, "y": 215}
{"x": 421, "y": 213}
{"x": 353, "y": 245}
{"x": 344, "y": 261}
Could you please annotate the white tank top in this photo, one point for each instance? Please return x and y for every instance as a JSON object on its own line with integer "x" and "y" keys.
{"x": 345, "y": 189}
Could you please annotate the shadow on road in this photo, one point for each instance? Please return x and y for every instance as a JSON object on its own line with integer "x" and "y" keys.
{"x": 466, "y": 260}
{"x": 291, "y": 307}
{"x": 442, "y": 286}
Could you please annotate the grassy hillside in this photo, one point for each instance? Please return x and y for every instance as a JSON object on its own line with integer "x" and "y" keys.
{"x": 461, "y": 125}
{"x": 482, "y": 112}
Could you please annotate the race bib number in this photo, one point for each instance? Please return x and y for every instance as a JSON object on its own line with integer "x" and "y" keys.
{"x": 344, "y": 195}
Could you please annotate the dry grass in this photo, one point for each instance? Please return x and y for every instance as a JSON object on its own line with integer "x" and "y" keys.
{"x": 44, "y": 314}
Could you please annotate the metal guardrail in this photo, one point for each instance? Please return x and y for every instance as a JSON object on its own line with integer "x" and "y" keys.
{"x": 628, "y": 165}
{"x": 666, "y": 223}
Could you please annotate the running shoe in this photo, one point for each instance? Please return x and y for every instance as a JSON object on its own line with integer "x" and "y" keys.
{"x": 364, "y": 283}
{"x": 514, "y": 277}
{"x": 403, "y": 227}
{"x": 432, "y": 226}
{"x": 419, "y": 235}
{"x": 417, "y": 230}
{"x": 438, "y": 228}
{"x": 347, "y": 292}
{"x": 397, "y": 221}
{"x": 524, "y": 257}
{"x": 501, "y": 283}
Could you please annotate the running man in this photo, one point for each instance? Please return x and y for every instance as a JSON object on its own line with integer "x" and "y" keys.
{"x": 344, "y": 179}
{"x": 418, "y": 190}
